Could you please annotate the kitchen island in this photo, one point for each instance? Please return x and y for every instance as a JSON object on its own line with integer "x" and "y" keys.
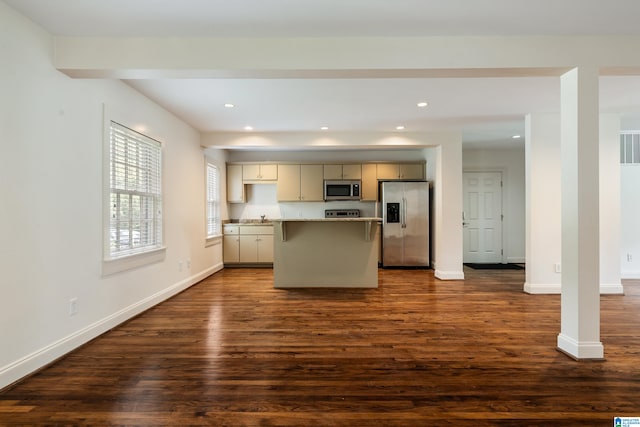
{"x": 326, "y": 253}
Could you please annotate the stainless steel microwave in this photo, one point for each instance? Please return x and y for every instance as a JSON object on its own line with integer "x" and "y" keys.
{"x": 342, "y": 190}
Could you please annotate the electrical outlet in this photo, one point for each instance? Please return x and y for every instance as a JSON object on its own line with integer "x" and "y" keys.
{"x": 557, "y": 267}
{"x": 629, "y": 257}
{"x": 188, "y": 263}
{"x": 73, "y": 306}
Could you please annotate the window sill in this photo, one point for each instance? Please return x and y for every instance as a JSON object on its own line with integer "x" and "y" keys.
{"x": 213, "y": 240}
{"x": 116, "y": 265}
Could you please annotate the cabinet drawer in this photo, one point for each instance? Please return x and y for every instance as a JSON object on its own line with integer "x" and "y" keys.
{"x": 231, "y": 229}
{"x": 256, "y": 229}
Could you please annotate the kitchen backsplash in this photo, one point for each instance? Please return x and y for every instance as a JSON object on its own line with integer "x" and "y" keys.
{"x": 262, "y": 200}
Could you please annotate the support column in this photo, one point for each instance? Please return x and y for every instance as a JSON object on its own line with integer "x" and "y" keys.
{"x": 610, "y": 190}
{"x": 580, "y": 299}
{"x": 448, "y": 211}
{"x": 543, "y": 214}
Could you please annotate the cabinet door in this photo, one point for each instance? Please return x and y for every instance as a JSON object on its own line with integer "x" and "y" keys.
{"x": 231, "y": 249}
{"x": 351, "y": 172}
{"x": 332, "y": 171}
{"x": 248, "y": 248}
{"x": 288, "y": 187}
{"x": 268, "y": 172}
{"x": 411, "y": 171}
{"x": 235, "y": 187}
{"x": 388, "y": 171}
{"x": 369, "y": 183}
{"x": 250, "y": 172}
{"x": 265, "y": 248}
{"x": 311, "y": 183}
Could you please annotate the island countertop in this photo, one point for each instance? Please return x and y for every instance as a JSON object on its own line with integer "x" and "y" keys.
{"x": 359, "y": 219}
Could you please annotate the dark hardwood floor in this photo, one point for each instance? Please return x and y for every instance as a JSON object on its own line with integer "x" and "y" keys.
{"x": 414, "y": 352}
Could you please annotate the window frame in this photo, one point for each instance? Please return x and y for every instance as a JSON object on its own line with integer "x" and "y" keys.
{"x": 139, "y": 256}
{"x": 213, "y": 201}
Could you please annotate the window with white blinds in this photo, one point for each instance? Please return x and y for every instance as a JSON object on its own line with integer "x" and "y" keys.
{"x": 213, "y": 201}
{"x": 135, "y": 181}
{"x": 630, "y": 147}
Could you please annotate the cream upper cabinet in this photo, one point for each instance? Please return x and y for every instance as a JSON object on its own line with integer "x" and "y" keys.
{"x": 300, "y": 183}
{"x": 311, "y": 183}
{"x": 235, "y": 186}
{"x": 259, "y": 172}
{"x": 288, "y": 187}
{"x": 411, "y": 170}
{"x": 349, "y": 171}
{"x": 369, "y": 183}
{"x": 400, "y": 171}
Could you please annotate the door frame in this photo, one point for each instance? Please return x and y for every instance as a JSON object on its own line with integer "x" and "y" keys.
{"x": 503, "y": 172}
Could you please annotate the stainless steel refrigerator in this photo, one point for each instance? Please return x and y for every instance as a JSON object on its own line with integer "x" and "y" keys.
{"x": 405, "y": 224}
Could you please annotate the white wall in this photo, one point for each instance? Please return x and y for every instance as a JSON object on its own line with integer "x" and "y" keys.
{"x": 51, "y": 211}
{"x": 512, "y": 163}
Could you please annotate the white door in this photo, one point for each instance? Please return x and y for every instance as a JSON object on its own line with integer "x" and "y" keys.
{"x": 482, "y": 217}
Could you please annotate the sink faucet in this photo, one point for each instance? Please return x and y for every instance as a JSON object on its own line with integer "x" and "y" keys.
{"x": 262, "y": 217}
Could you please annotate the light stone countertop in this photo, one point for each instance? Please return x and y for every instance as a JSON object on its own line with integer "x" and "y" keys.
{"x": 359, "y": 219}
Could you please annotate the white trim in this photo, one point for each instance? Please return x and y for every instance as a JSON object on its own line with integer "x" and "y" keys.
{"x": 630, "y": 274}
{"x": 611, "y": 289}
{"x": 449, "y": 275}
{"x": 555, "y": 289}
{"x": 542, "y": 288}
{"x": 38, "y": 359}
{"x": 515, "y": 260}
{"x": 580, "y": 350}
{"x": 116, "y": 265}
{"x": 213, "y": 241}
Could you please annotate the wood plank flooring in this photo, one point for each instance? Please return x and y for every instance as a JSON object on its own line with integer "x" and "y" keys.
{"x": 414, "y": 352}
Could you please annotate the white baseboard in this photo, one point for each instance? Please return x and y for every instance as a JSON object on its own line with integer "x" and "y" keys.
{"x": 515, "y": 260}
{"x": 611, "y": 289}
{"x": 605, "y": 289}
{"x": 630, "y": 274}
{"x": 542, "y": 288}
{"x": 449, "y": 275}
{"x": 38, "y": 359}
{"x": 580, "y": 349}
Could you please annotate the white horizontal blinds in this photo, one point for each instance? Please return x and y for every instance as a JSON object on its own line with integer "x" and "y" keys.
{"x": 135, "y": 192}
{"x": 213, "y": 201}
{"x": 630, "y": 147}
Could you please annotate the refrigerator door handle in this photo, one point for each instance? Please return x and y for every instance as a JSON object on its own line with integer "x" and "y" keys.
{"x": 404, "y": 212}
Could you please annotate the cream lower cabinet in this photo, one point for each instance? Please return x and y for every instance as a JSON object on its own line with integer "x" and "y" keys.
{"x": 231, "y": 244}
{"x": 256, "y": 248}
{"x": 248, "y": 244}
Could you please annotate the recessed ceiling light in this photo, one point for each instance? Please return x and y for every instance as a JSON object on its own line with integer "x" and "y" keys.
{"x": 422, "y": 104}
{"x": 516, "y": 137}
{"x": 399, "y": 127}
{"x": 324, "y": 128}
{"x": 248, "y": 128}
{"x": 228, "y": 105}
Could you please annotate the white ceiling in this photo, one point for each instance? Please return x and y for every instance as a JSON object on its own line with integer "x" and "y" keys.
{"x": 487, "y": 110}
